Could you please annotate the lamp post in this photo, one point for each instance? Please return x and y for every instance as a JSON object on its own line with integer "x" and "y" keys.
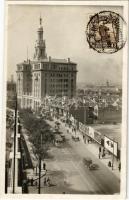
{"x": 46, "y": 129}
{"x": 14, "y": 150}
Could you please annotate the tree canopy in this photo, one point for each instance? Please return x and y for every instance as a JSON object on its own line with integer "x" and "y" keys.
{"x": 39, "y": 132}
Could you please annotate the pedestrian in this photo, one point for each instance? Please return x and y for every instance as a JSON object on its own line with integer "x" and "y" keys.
{"x": 45, "y": 181}
{"x": 44, "y": 166}
{"x": 48, "y": 181}
{"x": 31, "y": 181}
{"x": 100, "y": 149}
{"x": 103, "y": 155}
{"x": 83, "y": 137}
{"x": 37, "y": 184}
{"x": 109, "y": 164}
{"x": 104, "y": 151}
{"x": 28, "y": 180}
{"x": 24, "y": 187}
{"x": 36, "y": 170}
{"x": 119, "y": 167}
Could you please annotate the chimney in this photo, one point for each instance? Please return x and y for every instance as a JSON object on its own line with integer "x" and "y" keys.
{"x": 49, "y": 58}
{"x": 69, "y": 60}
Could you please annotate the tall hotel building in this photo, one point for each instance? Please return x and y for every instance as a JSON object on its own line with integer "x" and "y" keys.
{"x": 44, "y": 76}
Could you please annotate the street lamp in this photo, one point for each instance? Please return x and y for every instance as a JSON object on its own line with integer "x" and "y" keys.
{"x": 113, "y": 156}
{"x": 40, "y": 157}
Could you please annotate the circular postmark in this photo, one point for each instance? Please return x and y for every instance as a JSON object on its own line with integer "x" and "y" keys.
{"x": 106, "y": 32}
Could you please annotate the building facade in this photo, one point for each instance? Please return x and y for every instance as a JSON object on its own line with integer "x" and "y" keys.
{"x": 44, "y": 76}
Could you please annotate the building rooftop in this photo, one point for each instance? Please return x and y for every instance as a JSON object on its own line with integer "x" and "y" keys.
{"x": 52, "y": 60}
{"x": 64, "y": 61}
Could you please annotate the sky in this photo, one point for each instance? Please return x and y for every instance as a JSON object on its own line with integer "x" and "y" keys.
{"x": 64, "y": 32}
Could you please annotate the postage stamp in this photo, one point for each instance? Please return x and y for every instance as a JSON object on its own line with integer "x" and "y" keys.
{"x": 106, "y": 32}
{"x": 64, "y": 112}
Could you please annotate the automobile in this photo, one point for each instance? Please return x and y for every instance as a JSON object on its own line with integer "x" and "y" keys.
{"x": 93, "y": 167}
{"x": 50, "y": 119}
{"x": 63, "y": 137}
{"x": 89, "y": 164}
{"x": 57, "y": 123}
{"x": 75, "y": 138}
{"x": 58, "y": 140}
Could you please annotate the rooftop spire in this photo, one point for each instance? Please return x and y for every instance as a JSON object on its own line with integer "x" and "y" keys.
{"x": 27, "y": 53}
{"x": 40, "y": 47}
{"x": 40, "y": 20}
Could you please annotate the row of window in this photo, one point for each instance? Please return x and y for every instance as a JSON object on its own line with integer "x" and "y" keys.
{"x": 36, "y": 75}
{"x": 58, "y": 91}
{"x": 58, "y": 80}
{"x": 60, "y": 75}
{"x": 58, "y": 67}
{"x": 56, "y": 86}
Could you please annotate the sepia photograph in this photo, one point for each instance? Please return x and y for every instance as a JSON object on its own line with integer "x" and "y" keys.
{"x": 66, "y": 98}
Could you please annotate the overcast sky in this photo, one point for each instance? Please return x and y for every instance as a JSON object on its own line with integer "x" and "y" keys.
{"x": 64, "y": 32}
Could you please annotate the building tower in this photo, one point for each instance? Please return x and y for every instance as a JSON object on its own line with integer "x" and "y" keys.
{"x": 44, "y": 76}
{"x": 107, "y": 83}
{"x": 40, "y": 47}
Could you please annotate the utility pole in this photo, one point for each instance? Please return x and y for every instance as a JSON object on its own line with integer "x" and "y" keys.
{"x": 40, "y": 168}
{"x": 15, "y": 131}
{"x": 6, "y": 176}
{"x": 84, "y": 114}
{"x": 113, "y": 156}
{"x": 39, "y": 174}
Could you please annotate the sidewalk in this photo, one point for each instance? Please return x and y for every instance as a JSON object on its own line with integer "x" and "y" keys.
{"x": 94, "y": 148}
{"x": 30, "y": 172}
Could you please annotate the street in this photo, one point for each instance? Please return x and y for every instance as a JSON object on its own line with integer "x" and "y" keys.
{"x": 68, "y": 174}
